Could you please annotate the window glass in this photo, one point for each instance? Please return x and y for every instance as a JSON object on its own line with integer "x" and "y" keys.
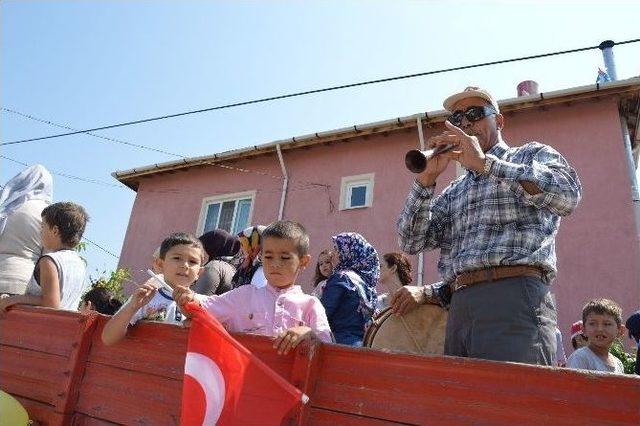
{"x": 242, "y": 215}
{"x": 226, "y": 215}
{"x": 358, "y": 196}
{"x": 211, "y": 222}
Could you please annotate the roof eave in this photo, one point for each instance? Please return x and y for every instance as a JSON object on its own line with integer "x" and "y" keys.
{"x": 129, "y": 177}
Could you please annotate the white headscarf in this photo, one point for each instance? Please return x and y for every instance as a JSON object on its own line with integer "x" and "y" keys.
{"x": 33, "y": 183}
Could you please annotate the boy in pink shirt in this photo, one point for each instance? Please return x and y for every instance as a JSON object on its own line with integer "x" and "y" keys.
{"x": 280, "y": 309}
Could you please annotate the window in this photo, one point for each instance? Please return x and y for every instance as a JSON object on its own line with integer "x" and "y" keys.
{"x": 230, "y": 212}
{"x": 356, "y": 191}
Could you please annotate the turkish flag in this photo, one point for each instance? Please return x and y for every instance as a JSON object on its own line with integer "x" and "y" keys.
{"x": 225, "y": 384}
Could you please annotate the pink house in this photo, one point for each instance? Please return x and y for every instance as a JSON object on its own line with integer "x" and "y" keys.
{"x": 354, "y": 179}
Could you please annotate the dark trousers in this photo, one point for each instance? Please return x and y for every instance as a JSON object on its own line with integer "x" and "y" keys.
{"x": 512, "y": 319}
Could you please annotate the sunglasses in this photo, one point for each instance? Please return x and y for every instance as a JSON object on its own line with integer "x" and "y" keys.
{"x": 473, "y": 114}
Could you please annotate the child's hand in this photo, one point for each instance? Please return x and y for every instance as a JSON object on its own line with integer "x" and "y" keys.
{"x": 5, "y": 302}
{"x": 292, "y": 338}
{"x": 143, "y": 294}
{"x": 182, "y": 296}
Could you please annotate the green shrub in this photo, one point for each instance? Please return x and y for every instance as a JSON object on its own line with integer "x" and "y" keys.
{"x": 628, "y": 360}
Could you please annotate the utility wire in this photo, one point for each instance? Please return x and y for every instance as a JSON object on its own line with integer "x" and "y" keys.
{"x": 309, "y": 92}
{"x": 135, "y": 145}
{"x": 68, "y": 176}
{"x": 100, "y": 247}
{"x": 62, "y": 126}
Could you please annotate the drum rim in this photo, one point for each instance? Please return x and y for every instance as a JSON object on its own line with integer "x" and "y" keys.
{"x": 373, "y": 328}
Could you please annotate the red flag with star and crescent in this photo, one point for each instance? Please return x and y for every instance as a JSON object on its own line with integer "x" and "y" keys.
{"x": 225, "y": 384}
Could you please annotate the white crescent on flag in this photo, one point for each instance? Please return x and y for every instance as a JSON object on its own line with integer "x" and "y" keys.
{"x": 207, "y": 373}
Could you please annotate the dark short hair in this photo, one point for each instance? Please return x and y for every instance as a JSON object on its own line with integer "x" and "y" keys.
{"x": 289, "y": 230}
{"x": 70, "y": 218}
{"x": 181, "y": 239}
{"x": 102, "y": 300}
{"x": 602, "y": 307}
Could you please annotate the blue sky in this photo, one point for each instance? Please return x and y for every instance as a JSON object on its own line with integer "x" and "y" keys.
{"x": 86, "y": 64}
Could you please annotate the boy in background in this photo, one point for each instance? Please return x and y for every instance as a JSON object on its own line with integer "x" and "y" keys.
{"x": 58, "y": 279}
{"x": 602, "y": 321}
{"x": 280, "y": 309}
{"x": 180, "y": 261}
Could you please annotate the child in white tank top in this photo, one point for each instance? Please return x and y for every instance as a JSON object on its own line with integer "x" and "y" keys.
{"x": 59, "y": 276}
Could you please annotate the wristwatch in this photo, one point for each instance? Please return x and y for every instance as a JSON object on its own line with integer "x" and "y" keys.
{"x": 488, "y": 163}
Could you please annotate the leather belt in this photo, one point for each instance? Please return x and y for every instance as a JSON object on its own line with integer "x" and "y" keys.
{"x": 467, "y": 279}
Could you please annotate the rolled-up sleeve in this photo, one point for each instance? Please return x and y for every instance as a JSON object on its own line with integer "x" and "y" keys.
{"x": 424, "y": 220}
{"x": 549, "y": 171}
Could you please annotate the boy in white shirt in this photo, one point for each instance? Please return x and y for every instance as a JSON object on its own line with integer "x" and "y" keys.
{"x": 602, "y": 320}
{"x": 180, "y": 261}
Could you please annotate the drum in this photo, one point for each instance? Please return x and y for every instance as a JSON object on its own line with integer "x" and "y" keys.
{"x": 420, "y": 331}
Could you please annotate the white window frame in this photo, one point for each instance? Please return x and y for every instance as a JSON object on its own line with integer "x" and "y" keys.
{"x": 221, "y": 199}
{"x": 348, "y": 182}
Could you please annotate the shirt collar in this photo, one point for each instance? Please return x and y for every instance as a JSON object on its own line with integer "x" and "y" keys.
{"x": 294, "y": 289}
{"x": 164, "y": 293}
{"x": 498, "y": 150}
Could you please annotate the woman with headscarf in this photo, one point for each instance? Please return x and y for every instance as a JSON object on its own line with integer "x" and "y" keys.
{"x": 216, "y": 278}
{"x": 250, "y": 270}
{"x": 21, "y": 202}
{"x": 349, "y": 297}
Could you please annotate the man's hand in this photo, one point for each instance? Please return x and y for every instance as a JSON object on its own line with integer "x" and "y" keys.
{"x": 407, "y": 299}
{"x": 292, "y": 338}
{"x": 468, "y": 151}
{"x": 437, "y": 164}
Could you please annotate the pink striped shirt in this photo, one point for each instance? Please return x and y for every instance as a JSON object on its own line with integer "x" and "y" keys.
{"x": 268, "y": 311}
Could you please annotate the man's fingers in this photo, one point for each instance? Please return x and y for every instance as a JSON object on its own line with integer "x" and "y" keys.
{"x": 457, "y": 130}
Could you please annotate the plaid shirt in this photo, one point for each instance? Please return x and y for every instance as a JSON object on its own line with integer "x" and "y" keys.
{"x": 483, "y": 221}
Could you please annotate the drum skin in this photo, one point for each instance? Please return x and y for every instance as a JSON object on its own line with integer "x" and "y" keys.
{"x": 420, "y": 331}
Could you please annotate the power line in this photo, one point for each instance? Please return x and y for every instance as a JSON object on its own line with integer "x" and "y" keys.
{"x": 100, "y": 247}
{"x": 68, "y": 176}
{"x": 309, "y": 92}
{"x": 140, "y": 146}
{"x": 62, "y": 126}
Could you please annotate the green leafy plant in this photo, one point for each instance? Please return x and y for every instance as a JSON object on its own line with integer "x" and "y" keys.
{"x": 628, "y": 360}
{"x": 113, "y": 281}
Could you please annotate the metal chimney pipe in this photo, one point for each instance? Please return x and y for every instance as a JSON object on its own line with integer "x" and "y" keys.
{"x": 609, "y": 62}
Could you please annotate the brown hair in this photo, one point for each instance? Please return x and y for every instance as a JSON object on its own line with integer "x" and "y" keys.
{"x": 403, "y": 267}
{"x": 602, "y": 307}
{"x": 289, "y": 230}
{"x": 179, "y": 239}
{"x": 318, "y": 276}
{"x": 70, "y": 219}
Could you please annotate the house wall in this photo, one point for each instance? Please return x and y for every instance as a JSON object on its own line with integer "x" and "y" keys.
{"x": 597, "y": 246}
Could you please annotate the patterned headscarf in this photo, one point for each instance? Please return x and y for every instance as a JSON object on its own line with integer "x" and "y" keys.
{"x": 33, "y": 183}
{"x": 251, "y": 240}
{"x": 357, "y": 255}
